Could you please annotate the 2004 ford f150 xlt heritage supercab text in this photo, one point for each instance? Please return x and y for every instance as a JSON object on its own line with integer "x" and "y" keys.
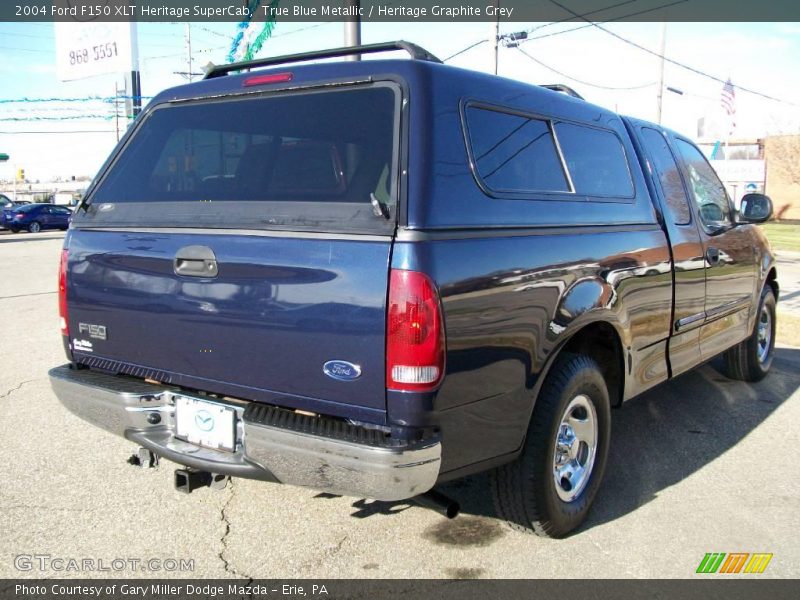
{"x": 371, "y": 277}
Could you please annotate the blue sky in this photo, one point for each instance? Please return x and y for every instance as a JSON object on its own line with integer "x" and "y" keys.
{"x": 760, "y": 56}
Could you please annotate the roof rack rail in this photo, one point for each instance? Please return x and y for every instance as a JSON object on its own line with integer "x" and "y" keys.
{"x": 565, "y": 89}
{"x": 415, "y": 51}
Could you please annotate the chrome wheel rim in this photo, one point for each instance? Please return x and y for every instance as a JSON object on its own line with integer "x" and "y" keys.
{"x": 35, "y": 227}
{"x": 575, "y": 449}
{"x": 764, "y": 334}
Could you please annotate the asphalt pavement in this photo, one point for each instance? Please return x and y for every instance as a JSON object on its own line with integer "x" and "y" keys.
{"x": 701, "y": 464}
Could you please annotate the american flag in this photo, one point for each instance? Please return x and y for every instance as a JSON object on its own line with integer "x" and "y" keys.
{"x": 728, "y": 102}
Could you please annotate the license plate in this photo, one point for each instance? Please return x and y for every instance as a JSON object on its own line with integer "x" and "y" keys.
{"x": 206, "y": 424}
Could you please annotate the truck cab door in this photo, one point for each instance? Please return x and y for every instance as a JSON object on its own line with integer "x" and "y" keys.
{"x": 687, "y": 249}
{"x": 729, "y": 253}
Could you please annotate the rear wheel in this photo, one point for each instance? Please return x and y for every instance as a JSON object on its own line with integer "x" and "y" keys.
{"x": 35, "y": 227}
{"x": 751, "y": 359}
{"x": 551, "y": 486}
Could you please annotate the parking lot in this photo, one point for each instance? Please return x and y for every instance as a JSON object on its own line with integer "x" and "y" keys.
{"x": 702, "y": 464}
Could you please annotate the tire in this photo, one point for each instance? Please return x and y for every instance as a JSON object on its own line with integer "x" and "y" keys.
{"x": 14, "y": 230}
{"x": 525, "y": 492}
{"x": 751, "y": 359}
{"x": 34, "y": 227}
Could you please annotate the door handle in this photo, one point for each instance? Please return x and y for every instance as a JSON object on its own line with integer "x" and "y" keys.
{"x": 712, "y": 256}
{"x": 196, "y": 261}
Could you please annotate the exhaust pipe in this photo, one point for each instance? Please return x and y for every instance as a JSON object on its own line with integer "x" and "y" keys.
{"x": 437, "y": 501}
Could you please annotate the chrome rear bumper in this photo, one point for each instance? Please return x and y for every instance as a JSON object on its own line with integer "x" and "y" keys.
{"x": 273, "y": 444}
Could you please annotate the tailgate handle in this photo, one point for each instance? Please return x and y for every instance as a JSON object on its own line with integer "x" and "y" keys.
{"x": 196, "y": 261}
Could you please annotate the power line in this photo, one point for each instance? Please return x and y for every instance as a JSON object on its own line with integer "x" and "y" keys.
{"x": 301, "y": 29}
{"x": 26, "y": 50}
{"x": 595, "y": 85}
{"x": 617, "y": 5}
{"x": 525, "y": 33}
{"x": 89, "y": 117}
{"x": 173, "y": 55}
{"x": 673, "y": 61}
{"x": 108, "y": 99}
{"x": 591, "y": 23}
{"x": 470, "y": 47}
{"x": 58, "y": 132}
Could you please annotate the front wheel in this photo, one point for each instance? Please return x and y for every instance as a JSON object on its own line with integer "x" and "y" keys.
{"x": 35, "y": 227}
{"x": 751, "y": 359}
{"x": 551, "y": 486}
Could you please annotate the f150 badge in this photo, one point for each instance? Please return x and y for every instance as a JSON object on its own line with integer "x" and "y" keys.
{"x": 97, "y": 332}
{"x": 341, "y": 370}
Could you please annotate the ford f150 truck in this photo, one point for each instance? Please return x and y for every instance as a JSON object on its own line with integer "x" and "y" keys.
{"x": 371, "y": 277}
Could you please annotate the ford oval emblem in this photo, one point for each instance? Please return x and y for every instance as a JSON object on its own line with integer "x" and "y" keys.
{"x": 341, "y": 370}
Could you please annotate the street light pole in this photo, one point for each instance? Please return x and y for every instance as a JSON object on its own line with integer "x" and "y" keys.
{"x": 495, "y": 37}
{"x": 661, "y": 71}
{"x": 352, "y": 28}
{"x": 136, "y": 81}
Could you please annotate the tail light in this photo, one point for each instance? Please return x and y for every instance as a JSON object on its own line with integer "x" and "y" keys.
{"x": 62, "y": 292}
{"x": 19, "y": 215}
{"x": 414, "y": 333}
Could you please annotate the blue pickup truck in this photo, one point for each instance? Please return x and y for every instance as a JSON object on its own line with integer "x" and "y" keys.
{"x": 368, "y": 278}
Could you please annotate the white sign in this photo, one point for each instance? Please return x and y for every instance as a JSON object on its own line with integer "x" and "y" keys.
{"x": 731, "y": 171}
{"x": 89, "y": 49}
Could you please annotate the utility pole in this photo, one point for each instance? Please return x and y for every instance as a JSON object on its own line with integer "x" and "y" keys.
{"x": 495, "y": 36}
{"x": 116, "y": 107}
{"x": 352, "y": 28}
{"x": 187, "y": 32}
{"x": 661, "y": 71}
{"x": 136, "y": 81}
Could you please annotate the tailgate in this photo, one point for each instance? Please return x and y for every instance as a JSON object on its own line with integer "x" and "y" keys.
{"x": 241, "y": 245}
{"x": 277, "y": 311}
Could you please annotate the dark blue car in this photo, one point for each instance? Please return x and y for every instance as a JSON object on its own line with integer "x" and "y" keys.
{"x": 35, "y": 217}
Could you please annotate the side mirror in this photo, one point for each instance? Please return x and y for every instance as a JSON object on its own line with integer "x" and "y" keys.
{"x": 755, "y": 208}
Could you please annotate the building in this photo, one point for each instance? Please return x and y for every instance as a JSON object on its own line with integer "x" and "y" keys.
{"x": 768, "y": 165}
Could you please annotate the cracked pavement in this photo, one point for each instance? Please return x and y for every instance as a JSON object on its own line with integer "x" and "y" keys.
{"x": 692, "y": 470}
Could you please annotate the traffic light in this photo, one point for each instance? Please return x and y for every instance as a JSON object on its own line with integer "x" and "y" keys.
{"x": 20, "y": 174}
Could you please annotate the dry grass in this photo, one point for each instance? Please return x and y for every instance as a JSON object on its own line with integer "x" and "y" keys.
{"x": 783, "y": 236}
{"x": 788, "y": 329}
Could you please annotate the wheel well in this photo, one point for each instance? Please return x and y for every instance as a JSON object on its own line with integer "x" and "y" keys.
{"x": 772, "y": 281}
{"x": 601, "y": 342}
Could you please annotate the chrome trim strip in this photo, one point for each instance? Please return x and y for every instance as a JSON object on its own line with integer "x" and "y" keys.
{"x": 419, "y": 235}
{"x": 727, "y": 308}
{"x": 715, "y": 313}
{"x": 681, "y": 324}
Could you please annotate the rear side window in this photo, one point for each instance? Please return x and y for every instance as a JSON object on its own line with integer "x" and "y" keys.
{"x": 521, "y": 154}
{"x": 319, "y": 161}
{"x": 595, "y": 161}
{"x": 513, "y": 153}
{"x": 668, "y": 175}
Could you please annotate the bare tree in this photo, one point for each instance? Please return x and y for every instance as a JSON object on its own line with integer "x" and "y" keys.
{"x": 784, "y": 157}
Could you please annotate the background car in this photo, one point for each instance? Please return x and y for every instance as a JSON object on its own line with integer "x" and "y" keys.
{"x": 7, "y": 209}
{"x": 35, "y": 217}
